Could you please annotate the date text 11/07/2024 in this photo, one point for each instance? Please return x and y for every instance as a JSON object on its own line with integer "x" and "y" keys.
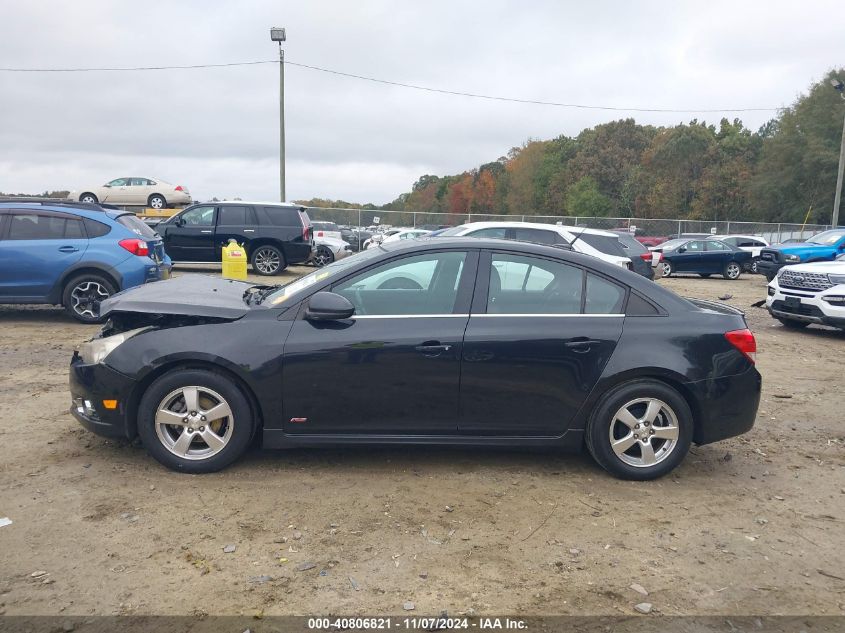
{"x": 419, "y": 623}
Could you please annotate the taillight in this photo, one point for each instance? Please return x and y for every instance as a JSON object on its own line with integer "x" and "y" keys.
{"x": 646, "y": 257}
{"x": 744, "y": 341}
{"x": 136, "y": 247}
{"x": 319, "y": 234}
{"x": 179, "y": 188}
{"x": 306, "y": 233}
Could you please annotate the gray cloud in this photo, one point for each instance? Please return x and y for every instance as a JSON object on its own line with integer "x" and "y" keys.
{"x": 215, "y": 130}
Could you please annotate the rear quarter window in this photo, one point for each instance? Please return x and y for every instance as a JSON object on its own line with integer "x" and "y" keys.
{"x": 136, "y": 225}
{"x": 281, "y": 216}
{"x": 94, "y": 228}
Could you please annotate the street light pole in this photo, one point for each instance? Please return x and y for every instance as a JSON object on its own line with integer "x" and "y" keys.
{"x": 838, "y": 85}
{"x": 278, "y": 35}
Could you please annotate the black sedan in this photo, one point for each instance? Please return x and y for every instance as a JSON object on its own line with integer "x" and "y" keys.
{"x": 468, "y": 341}
{"x": 705, "y": 257}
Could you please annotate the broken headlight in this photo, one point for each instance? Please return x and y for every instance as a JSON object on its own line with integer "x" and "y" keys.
{"x": 95, "y": 350}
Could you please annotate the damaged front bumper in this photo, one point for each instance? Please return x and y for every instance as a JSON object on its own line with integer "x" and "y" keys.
{"x": 100, "y": 398}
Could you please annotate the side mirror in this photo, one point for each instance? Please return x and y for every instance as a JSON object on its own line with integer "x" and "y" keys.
{"x": 107, "y": 185}
{"x": 179, "y": 220}
{"x": 328, "y": 306}
{"x": 682, "y": 249}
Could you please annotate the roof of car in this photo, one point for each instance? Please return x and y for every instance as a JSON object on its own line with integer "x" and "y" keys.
{"x": 58, "y": 206}
{"x": 264, "y": 203}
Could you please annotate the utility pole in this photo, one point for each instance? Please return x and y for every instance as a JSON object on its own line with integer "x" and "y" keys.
{"x": 838, "y": 85}
{"x": 278, "y": 35}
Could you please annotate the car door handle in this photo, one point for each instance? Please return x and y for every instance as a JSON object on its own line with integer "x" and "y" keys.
{"x": 432, "y": 348}
{"x": 205, "y": 231}
{"x": 249, "y": 230}
{"x": 581, "y": 344}
{"x": 68, "y": 249}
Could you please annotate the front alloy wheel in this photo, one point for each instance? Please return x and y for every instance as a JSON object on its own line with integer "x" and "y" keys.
{"x": 195, "y": 420}
{"x": 667, "y": 269}
{"x": 732, "y": 271}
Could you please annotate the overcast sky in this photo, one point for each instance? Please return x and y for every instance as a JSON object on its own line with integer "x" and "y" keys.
{"x": 216, "y": 130}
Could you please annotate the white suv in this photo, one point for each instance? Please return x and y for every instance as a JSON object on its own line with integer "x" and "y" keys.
{"x": 809, "y": 293}
{"x": 601, "y": 244}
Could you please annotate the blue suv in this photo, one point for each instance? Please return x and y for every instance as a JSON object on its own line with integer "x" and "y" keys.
{"x": 823, "y": 247}
{"x": 75, "y": 255}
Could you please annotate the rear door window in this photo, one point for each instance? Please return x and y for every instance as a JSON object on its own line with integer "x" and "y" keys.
{"x": 530, "y": 285}
{"x": 235, "y": 216}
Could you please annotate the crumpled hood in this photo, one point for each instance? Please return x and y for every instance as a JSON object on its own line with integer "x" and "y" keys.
{"x": 190, "y": 295}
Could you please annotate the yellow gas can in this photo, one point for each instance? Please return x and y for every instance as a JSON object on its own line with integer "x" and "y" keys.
{"x": 234, "y": 261}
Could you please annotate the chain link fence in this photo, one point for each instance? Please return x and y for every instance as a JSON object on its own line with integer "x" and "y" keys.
{"x": 651, "y": 227}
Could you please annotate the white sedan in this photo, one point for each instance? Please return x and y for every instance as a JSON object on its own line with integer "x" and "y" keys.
{"x": 143, "y": 192}
{"x": 395, "y": 234}
{"x": 328, "y": 249}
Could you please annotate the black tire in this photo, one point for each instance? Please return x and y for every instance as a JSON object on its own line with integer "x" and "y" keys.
{"x": 602, "y": 421}
{"x": 83, "y": 294}
{"x": 267, "y": 260}
{"x": 157, "y": 201}
{"x": 794, "y": 324}
{"x": 323, "y": 256}
{"x": 753, "y": 268}
{"x": 732, "y": 271}
{"x": 241, "y": 420}
{"x": 89, "y": 198}
{"x": 705, "y": 275}
{"x": 668, "y": 269}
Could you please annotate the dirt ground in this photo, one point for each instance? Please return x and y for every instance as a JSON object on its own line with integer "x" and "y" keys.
{"x": 752, "y": 525}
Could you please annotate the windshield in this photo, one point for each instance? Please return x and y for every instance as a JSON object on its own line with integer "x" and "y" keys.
{"x": 827, "y": 238}
{"x": 283, "y": 293}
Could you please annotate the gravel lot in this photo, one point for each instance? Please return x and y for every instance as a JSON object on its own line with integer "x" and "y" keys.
{"x": 749, "y": 525}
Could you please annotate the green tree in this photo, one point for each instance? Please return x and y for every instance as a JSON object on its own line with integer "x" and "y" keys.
{"x": 584, "y": 198}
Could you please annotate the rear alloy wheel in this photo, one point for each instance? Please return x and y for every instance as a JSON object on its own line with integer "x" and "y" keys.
{"x": 642, "y": 430}
{"x": 88, "y": 198}
{"x": 157, "y": 201}
{"x": 268, "y": 260}
{"x": 322, "y": 257}
{"x": 732, "y": 271}
{"x": 195, "y": 421}
{"x": 754, "y": 266}
{"x": 84, "y": 294}
{"x": 667, "y": 268}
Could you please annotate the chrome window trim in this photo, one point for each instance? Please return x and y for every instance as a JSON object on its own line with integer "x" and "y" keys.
{"x": 566, "y": 314}
{"x": 464, "y": 316}
{"x": 408, "y": 316}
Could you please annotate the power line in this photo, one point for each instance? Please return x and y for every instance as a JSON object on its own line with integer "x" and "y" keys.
{"x": 387, "y": 82}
